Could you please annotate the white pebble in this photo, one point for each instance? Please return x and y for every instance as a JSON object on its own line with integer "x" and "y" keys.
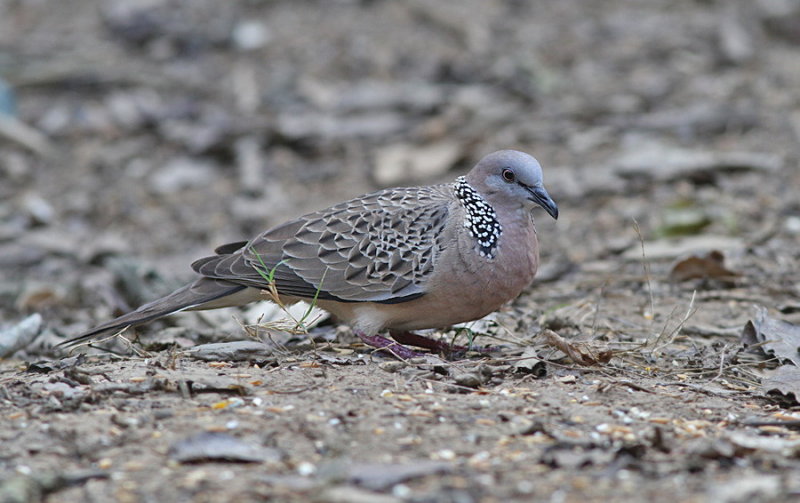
{"x": 250, "y": 35}
{"x": 305, "y": 469}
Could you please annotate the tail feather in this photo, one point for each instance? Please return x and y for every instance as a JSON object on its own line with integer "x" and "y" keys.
{"x": 204, "y": 293}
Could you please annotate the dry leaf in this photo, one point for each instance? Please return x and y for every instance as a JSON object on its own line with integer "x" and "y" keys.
{"x": 776, "y": 337}
{"x": 709, "y": 266}
{"x": 785, "y": 380}
{"x": 215, "y": 447}
{"x": 580, "y": 353}
{"x": 530, "y": 363}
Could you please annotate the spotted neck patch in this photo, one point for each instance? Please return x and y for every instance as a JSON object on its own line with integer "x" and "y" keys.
{"x": 480, "y": 219}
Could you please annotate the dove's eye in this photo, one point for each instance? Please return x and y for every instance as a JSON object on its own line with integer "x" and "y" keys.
{"x": 509, "y": 176}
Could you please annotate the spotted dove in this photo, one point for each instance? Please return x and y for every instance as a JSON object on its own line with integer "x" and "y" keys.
{"x": 401, "y": 259}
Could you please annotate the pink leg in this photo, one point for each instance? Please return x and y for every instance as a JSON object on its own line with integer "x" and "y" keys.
{"x": 380, "y": 342}
{"x": 420, "y": 341}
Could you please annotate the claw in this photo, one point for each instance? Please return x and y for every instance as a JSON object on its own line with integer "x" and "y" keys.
{"x": 395, "y": 348}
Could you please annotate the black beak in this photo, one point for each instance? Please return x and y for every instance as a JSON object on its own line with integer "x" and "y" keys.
{"x": 540, "y": 196}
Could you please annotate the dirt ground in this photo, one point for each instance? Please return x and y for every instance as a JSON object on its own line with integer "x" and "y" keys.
{"x": 137, "y": 136}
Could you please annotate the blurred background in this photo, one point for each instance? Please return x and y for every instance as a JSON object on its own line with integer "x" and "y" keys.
{"x": 136, "y": 136}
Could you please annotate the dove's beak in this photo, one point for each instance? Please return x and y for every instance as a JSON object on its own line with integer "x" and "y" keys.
{"x": 540, "y": 196}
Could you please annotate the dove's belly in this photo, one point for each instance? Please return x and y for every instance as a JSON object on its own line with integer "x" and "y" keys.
{"x": 466, "y": 292}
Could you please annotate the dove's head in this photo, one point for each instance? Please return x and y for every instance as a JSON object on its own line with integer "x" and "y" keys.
{"x": 510, "y": 177}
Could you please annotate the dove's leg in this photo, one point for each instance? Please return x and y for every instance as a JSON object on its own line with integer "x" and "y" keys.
{"x": 420, "y": 341}
{"x": 380, "y": 342}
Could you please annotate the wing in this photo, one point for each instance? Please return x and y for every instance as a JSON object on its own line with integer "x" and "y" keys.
{"x": 376, "y": 248}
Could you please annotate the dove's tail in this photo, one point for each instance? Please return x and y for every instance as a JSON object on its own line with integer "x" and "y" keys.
{"x": 205, "y": 293}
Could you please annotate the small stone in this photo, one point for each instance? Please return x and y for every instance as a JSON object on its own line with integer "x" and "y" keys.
{"x": 444, "y": 455}
{"x": 468, "y": 379}
{"x": 792, "y": 225}
{"x": 20, "y": 335}
{"x": 306, "y": 469}
{"x": 182, "y": 173}
{"x": 735, "y": 40}
{"x": 250, "y": 35}
{"x": 393, "y": 366}
{"x": 214, "y": 446}
{"x": 250, "y": 164}
{"x": 38, "y": 209}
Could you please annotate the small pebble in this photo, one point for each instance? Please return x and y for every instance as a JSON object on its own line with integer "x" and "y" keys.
{"x": 792, "y": 225}
{"x": 444, "y": 454}
{"x": 392, "y": 366}
{"x": 305, "y": 469}
{"x": 250, "y": 35}
{"x": 468, "y": 379}
{"x": 401, "y": 491}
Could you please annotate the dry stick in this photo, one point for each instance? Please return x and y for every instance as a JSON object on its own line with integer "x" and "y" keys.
{"x": 674, "y": 333}
{"x": 299, "y": 327}
{"x": 253, "y": 331}
{"x": 473, "y": 334}
{"x": 645, "y": 267}
{"x": 118, "y": 334}
{"x": 597, "y": 309}
{"x": 721, "y": 363}
{"x": 630, "y": 366}
{"x": 663, "y": 329}
{"x": 689, "y": 312}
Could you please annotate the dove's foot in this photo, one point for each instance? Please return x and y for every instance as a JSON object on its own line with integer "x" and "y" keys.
{"x": 420, "y": 341}
{"x": 395, "y": 348}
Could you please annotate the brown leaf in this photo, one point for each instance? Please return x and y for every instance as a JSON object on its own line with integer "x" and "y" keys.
{"x": 776, "y": 337}
{"x": 709, "y": 266}
{"x": 580, "y": 353}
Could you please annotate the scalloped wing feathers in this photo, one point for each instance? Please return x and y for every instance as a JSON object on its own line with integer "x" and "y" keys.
{"x": 381, "y": 247}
